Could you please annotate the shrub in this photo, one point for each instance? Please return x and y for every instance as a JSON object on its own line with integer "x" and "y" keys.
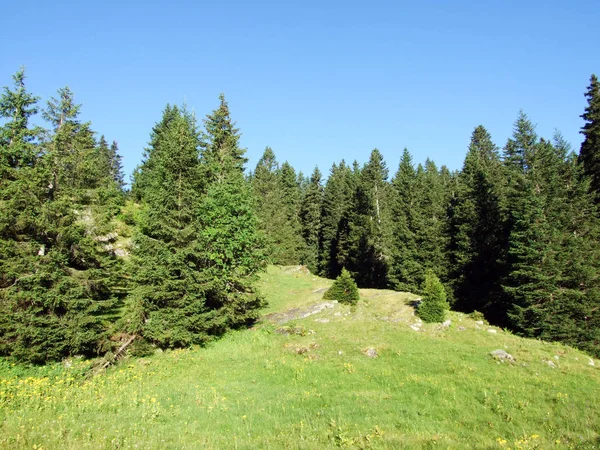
{"x": 434, "y": 305}
{"x": 343, "y": 289}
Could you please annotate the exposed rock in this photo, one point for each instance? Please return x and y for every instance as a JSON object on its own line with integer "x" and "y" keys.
{"x": 107, "y": 237}
{"x": 479, "y": 322}
{"x": 447, "y": 323}
{"x": 337, "y": 314}
{"x": 371, "y": 353}
{"x": 322, "y": 320}
{"x": 415, "y": 327}
{"x": 491, "y": 330}
{"x": 298, "y": 313}
{"x": 591, "y": 363}
{"x": 297, "y": 269}
{"x": 121, "y": 252}
{"x": 502, "y": 355}
{"x": 550, "y": 363}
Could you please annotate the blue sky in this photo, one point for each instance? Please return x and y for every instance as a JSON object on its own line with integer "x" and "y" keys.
{"x": 317, "y": 81}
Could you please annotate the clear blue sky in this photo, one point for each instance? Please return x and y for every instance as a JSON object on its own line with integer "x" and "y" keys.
{"x": 315, "y": 80}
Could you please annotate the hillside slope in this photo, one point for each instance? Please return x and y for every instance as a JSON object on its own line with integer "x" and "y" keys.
{"x": 315, "y": 374}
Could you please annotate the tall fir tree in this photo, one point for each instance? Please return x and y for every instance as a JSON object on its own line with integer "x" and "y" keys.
{"x": 337, "y": 201}
{"x": 310, "y": 218}
{"x": 142, "y": 173}
{"x": 234, "y": 249}
{"x": 168, "y": 301}
{"x": 405, "y": 268}
{"x": 368, "y": 256}
{"x": 56, "y": 280}
{"x": 276, "y": 216}
{"x": 477, "y": 237}
{"x": 589, "y": 154}
{"x": 221, "y": 151}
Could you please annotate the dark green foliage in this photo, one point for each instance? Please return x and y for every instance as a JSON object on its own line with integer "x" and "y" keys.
{"x": 405, "y": 268}
{"x": 337, "y": 201}
{"x": 433, "y": 306}
{"x": 221, "y": 152}
{"x": 310, "y": 218}
{"x": 276, "y": 213}
{"x": 197, "y": 251}
{"x": 589, "y": 154}
{"x": 553, "y": 254}
{"x": 142, "y": 173}
{"x": 234, "y": 252}
{"x": 367, "y": 253}
{"x": 477, "y": 229}
{"x": 343, "y": 289}
{"x": 55, "y": 280}
{"x": 167, "y": 305}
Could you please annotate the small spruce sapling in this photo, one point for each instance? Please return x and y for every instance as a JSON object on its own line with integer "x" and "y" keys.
{"x": 343, "y": 289}
{"x": 434, "y": 305}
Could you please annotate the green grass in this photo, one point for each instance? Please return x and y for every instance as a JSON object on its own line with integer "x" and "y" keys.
{"x": 260, "y": 388}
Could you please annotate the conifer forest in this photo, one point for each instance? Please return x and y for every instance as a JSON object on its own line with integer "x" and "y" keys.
{"x": 90, "y": 262}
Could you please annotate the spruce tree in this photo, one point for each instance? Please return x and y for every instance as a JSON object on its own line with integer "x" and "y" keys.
{"x": 234, "y": 252}
{"x": 56, "y": 280}
{"x": 343, "y": 289}
{"x": 233, "y": 249}
{"x": 432, "y": 201}
{"x": 275, "y": 215}
{"x": 168, "y": 304}
{"x": 337, "y": 202}
{"x": 589, "y": 154}
{"x": 221, "y": 152}
{"x": 478, "y": 241}
{"x": 367, "y": 251}
{"x": 142, "y": 173}
{"x": 433, "y": 306}
{"x": 405, "y": 267}
{"x": 310, "y": 218}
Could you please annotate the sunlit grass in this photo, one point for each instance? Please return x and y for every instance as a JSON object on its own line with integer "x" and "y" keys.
{"x": 259, "y": 388}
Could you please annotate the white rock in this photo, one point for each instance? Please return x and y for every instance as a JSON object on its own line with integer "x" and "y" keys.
{"x": 371, "y": 353}
{"x": 550, "y": 363}
{"x": 591, "y": 363}
{"x": 415, "y": 327}
{"x": 502, "y": 355}
{"x": 446, "y": 323}
{"x": 491, "y": 330}
{"x": 479, "y": 322}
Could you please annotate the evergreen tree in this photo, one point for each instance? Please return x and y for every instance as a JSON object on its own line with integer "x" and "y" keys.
{"x": 234, "y": 251}
{"x": 343, "y": 289}
{"x": 56, "y": 281}
{"x": 168, "y": 301}
{"x": 405, "y": 267}
{"x": 589, "y": 154}
{"x": 221, "y": 152}
{"x": 434, "y": 305}
{"x": 310, "y": 218}
{"x": 276, "y": 216}
{"x": 367, "y": 252}
{"x": 143, "y": 172}
{"x": 337, "y": 201}
{"x": 478, "y": 242}
{"x": 553, "y": 246}
{"x": 431, "y": 219}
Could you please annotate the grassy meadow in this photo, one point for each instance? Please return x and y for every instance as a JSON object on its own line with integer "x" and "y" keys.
{"x": 296, "y": 382}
